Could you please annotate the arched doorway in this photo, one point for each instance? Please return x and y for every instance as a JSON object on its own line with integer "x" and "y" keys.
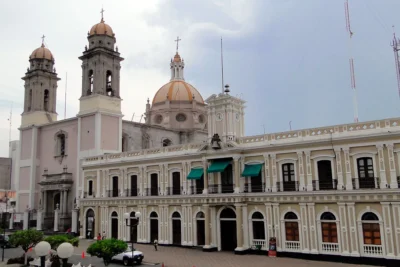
{"x": 153, "y": 226}
{"x": 257, "y": 223}
{"x": 89, "y": 224}
{"x": 201, "y": 229}
{"x": 176, "y": 228}
{"x": 292, "y": 233}
{"x": 114, "y": 225}
{"x": 371, "y": 231}
{"x": 228, "y": 229}
{"x": 133, "y": 228}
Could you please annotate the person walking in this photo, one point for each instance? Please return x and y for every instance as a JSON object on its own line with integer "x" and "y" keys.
{"x": 99, "y": 237}
{"x": 155, "y": 244}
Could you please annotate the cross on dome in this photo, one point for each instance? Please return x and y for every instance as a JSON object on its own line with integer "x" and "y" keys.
{"x": 43, "y": 40}
{"x": 177, "y": 43}
{"x": 102, "y": 14}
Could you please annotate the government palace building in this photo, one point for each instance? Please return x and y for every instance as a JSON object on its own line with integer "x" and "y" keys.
{"x": 194, "y": 176}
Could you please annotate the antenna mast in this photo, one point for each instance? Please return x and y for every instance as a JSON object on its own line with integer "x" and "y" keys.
{"x": 222, "y": 68}
{"x": 351, "y": 61}
{"x": 65, "y": 97}
{"x": 395, "y": 45}
{"x": 10, "y": 120}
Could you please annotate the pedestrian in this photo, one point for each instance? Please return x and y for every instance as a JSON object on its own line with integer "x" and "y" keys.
{"x": 155, "y": 244}
{"x": 99, "y": 237}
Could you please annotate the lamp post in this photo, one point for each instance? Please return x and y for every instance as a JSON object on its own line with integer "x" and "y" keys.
{"x": 64, "y": 251}
{"x": 4, "y": 226}
{"x": 42, "y": 249}
{"x": 131, "y": 226}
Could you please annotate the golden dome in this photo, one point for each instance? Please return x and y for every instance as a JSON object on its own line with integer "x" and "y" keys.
{"x": 177, "y": 90}
{"x": 101, "y": 29}
{"x": 42, "y": 53}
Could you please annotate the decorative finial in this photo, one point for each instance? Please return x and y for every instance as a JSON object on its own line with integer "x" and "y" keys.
{"x": 148, "y": 101}
{"x": 177, "y": 43}
{"x": 102, "y": 15}
{"x": 43, "y": 40}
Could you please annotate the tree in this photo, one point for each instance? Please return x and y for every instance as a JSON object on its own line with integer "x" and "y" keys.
{"x": 26, "y": 239}
{"x": 56, "y": 240}
{"x": 106, "y": 249}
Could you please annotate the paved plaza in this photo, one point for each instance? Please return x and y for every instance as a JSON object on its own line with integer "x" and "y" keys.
{"x": 190, "y": 257}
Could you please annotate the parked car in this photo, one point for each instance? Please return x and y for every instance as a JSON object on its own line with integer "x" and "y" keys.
{"x": 126, "y": 257}
{"x": 5, "y": 241}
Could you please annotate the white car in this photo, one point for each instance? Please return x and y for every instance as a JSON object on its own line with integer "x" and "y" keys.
{"x": 126, "y": 257}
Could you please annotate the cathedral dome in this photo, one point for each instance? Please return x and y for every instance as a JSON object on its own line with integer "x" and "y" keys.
{"x": 101, "y": 29}
{"x": 42, "y": 53}
{"x": 177, "y": 90}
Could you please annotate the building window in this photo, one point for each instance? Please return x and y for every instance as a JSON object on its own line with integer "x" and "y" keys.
{"x": 180, "y": 117}
{"x": 258, "y": 226}
{"x": 30, "y": 100}
{"x": 90, "y": 88}
{"x": 109, "y": 90}
{"x": 371, "y": 229}
{"x": 124, "y": 143}
{"x": 288, "y": 172}
{"x": 158, "y": 119}
{"x": 46, "y": 100}
{"x": 90, "y": 188}
{"x": 60, "y": 139}
{"x": 166, "y": 142}
{"x": 328, "y": 228}
{"x": 291, "y": 227}
{"x": 365, "y": 169}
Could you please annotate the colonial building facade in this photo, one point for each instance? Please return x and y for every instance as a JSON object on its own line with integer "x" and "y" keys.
{"x": 330, "y": 190}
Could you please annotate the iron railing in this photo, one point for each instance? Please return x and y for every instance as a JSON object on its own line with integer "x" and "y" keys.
{"x": 366, "y": 183}
{"x": 254, "y": 188}
{"x": 287, "y": 186}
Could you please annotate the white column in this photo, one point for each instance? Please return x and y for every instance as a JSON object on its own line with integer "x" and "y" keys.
{"x": 339, "y": 171}
{"x": 312, "y": 228}
{"x": 26, "y": 218}
{"x": 392, "y": 166}
{"x": 304, "y": 237}
{"x": 245, "y": 227}
{"x": 274, "y": 174}
{"x": 44, "y": 201}
{"x": 236, "y": 174}
{"x": 349, "y": 181}
{"x": 276, "y": 225}
{"x": 387, "y": 230}
{"x": 39, "y": 217}
{"x": 344, "y": 233}
{"x": 381, "y": 163}
{"x": 205, "y": 177}
{"x": 98, "y": 182}
{"x": 269, "y": 222}
{"x": 353, "y": 229}
{"x": 74, "y": 228}
{"x": 308, "y": 172}
{"x": 267, "y": 173}
{"x": 65, "y": 201}
{"x": 56, "y": 220}
{"x": 213, "y": 225}
{"x": 396, "y": 226}
{"x": 11, "y": 226}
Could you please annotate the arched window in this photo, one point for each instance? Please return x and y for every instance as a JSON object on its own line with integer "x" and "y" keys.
{"x": 114, "y": 225}
{"x": 176, "y": 215}
{"x": 153, "y": 226}
{"x": 200, "y": 215}
{"x": 258, "y": 226}
{"x": 371, "y": 229}
{"x": 60, "y": 145}
{"x": 90, "y": 88}
{"x": 30, "y": 100}
{"x": 114, "y": 192}
{"x": 90, "y": 187}
{"x": 166, "y": 142}
{"x": 109, "y": 89}
{"x": 46, "y": 100}
{"x": 228, "y": 214}
{"x": 328, "y": 228}
{"x": 291, "y": 227}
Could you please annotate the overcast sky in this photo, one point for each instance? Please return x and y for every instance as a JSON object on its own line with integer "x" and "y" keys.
{"x": 287, "y": 58}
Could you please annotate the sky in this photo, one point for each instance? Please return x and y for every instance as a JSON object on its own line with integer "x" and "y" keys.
{"x": 289, "y": 59}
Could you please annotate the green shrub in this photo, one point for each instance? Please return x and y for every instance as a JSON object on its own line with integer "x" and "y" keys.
{"x": 26, "y": 239}
{"x": 56, "y": 240}
{"x": 106, "y": 249}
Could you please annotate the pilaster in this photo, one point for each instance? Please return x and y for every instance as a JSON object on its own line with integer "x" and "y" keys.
{"x": 274, "y": 174}
{"x": 239, "y": 228}
{"x": 387, "y": 226}
{"x": 396, "y": 227}
{"x": 205, "y": 166}
{"x": 382, "y": 171}
{"x": 276, "y": 225}
{"x": 351, "y": 213}
{"x": 308, "y": 171}
{"x": 237, "y": 174}
{"x": 207, "y": 245}
{"x": 268, "y": 187}
{"x": 344, "y": 234}
{"x": 304, "y": 237}
{"x": 349, "y": 183}
{"x": 312, "y": 227}
{"x": 392, "y": 166}
{"x": 339, "y": 172}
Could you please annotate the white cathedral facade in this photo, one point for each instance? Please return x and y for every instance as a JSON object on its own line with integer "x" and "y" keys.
{"x": 193, "y": 175}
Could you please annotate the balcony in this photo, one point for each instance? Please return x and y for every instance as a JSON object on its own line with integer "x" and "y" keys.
{"x": 324, "y": 185}
{"x": 153, "y": 191}
{"x": 173, "y": 190}
{"x": 133, "y": 192}
{"x": 218, "y": 189}
{"x": 366, "y": 183}
{"x": 112, "y": 193}
{"x": 330, "y": 247}
{"x": 254, "y": 188}
{"x": 195, "y": 190}
{"x": 287, "y": 186}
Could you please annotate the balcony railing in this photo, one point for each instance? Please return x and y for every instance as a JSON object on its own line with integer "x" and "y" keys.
{"x": 133, "y": 192}
{"x": 259, "y": 244}
{"x": 153, "y": 191}
{"x": 373, "y": 250}
{"x": 196, "y": 190}
{"x": 287, "y": 186}
{"x": 365, "y": 183}
{"x": 330, "y": 247}
{"x": 112, "y": 193}
{"x": 292, "y": 245}
{"x": 173, "y": 190}
{"x": 253, "y": 188}
{"x": 324, "y": 185}
{"x": 219, "y": 188}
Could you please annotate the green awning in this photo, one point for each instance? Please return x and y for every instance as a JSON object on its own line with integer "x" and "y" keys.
{"x": 195, "y": 174}
{"x": 251, "y": 170}
{"x": 218, "y": 166}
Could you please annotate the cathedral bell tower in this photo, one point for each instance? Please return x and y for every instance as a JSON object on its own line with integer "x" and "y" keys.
{"x": 100, "y": 117}
{"x": 101, "y": 65}
{"x": 40, "y": 88}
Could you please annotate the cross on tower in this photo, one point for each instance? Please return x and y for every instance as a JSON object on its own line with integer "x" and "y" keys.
{"x": 43, "y": 39}
{"x": 102, "y": 13}
{"x": 177, "y": 43}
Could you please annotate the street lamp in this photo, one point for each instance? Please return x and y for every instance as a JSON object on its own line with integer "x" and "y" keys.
{"x": 132, "y": 225}
{"x": 64, "y": 251}
{"x": 4, "y": 226}
{"x": 42, "y": 249}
